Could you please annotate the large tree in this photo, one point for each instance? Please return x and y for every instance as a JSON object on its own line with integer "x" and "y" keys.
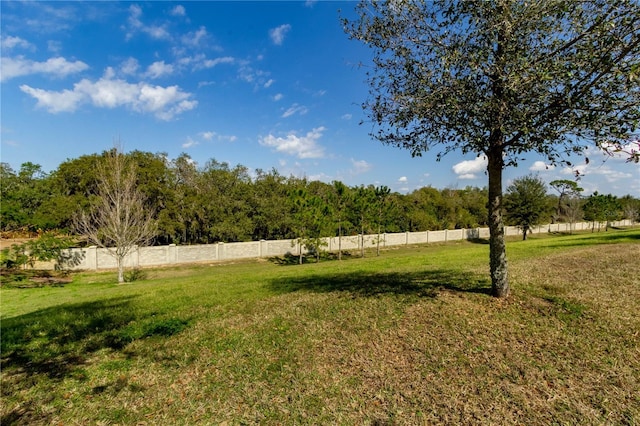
{"x": 120, "y": 219}
{"x": 500, "y": 78}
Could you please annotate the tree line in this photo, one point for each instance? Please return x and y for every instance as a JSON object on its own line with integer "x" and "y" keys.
{"x": 193, "y": 204}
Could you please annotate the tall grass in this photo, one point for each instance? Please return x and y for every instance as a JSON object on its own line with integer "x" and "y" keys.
{"x": 410, "y": 337}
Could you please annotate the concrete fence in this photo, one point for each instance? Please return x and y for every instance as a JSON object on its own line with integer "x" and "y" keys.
{"x": 93, "y": 258}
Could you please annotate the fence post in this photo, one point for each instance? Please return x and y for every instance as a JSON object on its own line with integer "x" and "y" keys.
{"x": 92, "y": 257}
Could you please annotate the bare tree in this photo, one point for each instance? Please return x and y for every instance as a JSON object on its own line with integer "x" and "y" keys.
{"x": 119, "y": 221}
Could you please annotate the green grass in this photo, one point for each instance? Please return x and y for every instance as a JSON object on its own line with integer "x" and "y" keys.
{"x": 410, "y": 337}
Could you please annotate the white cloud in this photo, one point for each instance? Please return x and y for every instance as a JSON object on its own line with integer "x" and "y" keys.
{"x": 403, "y": 179}
{"x": 301, "y": 146}
{"x": 178, "y": 11}
{"x": 54, "y": 46}
{"x": 189, "y": 143}
{"x": 310, "y": 3}
{"x": 11, "y": 42}
{"x": 58, "y": 67}
{"x": 135, "y": 24}
{"x": 469, "y": 169}
{"x": 210, "y": 63}
{"x": 130, "y": 66}
{"x": 277, "y": 34}
{"x": 268, "y": 83}
{"x": 107, "y": 92}
{"x": 54, "y": 102}
{"x": 295, "y": 109}
{"x": 278, "y": 96}
{"x": 360, "y": 166}
{"x": 601, "y": 171}
{"x": 159, "y": 69}
{"x": 541, "y": 166}
{"x": 346, "y": 116}
{"x": 209, "y": 136}
{"x": 194, "y": 39}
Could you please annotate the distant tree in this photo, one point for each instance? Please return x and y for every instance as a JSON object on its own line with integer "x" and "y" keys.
{"x": 22, "y": 195}
{"x": 270, "y": 211}
{"x": 601, "y": 208}
{"x": 630, "y": 208}
{"x": 525, "y": 203}
{"x": 120, "y": 219}
{"x": 312, "y": 217}
{"x": 422, "y": 211}
{"x": 565, "y": 188}
{"x": 382, "y": 195}
{"x": 362, "y": 204}
{"x": 573, "y": 210}
{"x": 501, "y": 78}
{"x": 340, "y": 199}
{"x": 568, "y": 200}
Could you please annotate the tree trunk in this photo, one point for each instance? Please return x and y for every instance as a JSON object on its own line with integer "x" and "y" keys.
{"x": 120, "y": 262}
{"x": 340, "y": 240}
{"x": 497, "y": 247}
{"x": 524, "y": 234}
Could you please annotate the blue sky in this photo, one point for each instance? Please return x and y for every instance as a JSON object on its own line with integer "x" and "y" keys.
{"x": 262, "y": 84}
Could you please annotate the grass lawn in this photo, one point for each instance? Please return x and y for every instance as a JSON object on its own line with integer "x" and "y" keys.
{"x": 410, "y": 337}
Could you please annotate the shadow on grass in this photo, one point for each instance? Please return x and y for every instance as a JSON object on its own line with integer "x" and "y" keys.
{"x": 423, "y": 284}
{"x": 294, "y": 259}
{"x": 56, "y": 340}
{"x": 478, "y": 240}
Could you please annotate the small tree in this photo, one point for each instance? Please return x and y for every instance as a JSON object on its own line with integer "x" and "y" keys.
{"x": 362, "y": 210}
{"x": 525, "y": 203}
{"x": 381, "y": 205}
{"x": 340, "y": 198}
{"x": 311, "y": 214}
{"x": 568, "y": 200}
{"x": 119, "y": 221}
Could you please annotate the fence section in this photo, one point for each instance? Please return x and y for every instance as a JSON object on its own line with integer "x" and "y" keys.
{"x": 94, "y": 258}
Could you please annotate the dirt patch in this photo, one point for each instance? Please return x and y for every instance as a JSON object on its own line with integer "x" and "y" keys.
{"x": 6, "y": 243}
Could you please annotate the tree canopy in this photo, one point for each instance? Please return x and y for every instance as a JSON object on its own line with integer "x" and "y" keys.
{"x": 501, "y": 78}
{"x": 526, "y": 203}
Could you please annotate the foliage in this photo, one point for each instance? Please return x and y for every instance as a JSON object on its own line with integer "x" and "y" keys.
{"x": 499, "y": 79}
{"x": 567, "y": 189}
{"x": 48, "y": 246}
{"x": 525, "y": 203}
{"x": 311, "y": 214}
{"x": 178, "y": 193}
{"x": 602, "y": 208}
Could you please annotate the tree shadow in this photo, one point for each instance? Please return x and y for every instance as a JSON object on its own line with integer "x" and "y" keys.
{"x": 290, "y": 259}
{"x": 366, "y": 284}
{"x": 478, "y": 240}
{"x": 56, "y": 340}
